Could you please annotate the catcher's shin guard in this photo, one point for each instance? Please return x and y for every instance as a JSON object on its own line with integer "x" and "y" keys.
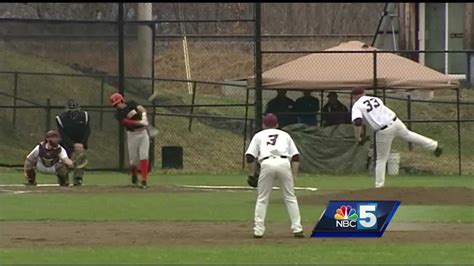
{"x": 62, "y": 174}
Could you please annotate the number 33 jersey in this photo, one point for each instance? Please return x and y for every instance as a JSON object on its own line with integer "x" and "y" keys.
{"x": 372, "y": 111}
{"x": 270, "y": 142}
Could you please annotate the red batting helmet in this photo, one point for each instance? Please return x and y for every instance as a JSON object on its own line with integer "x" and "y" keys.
{"x": 270, "y": 120}
{"x": 116, "y": 98}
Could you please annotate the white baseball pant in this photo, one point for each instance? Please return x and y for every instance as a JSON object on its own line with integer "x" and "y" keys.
{"x": 138, "y": 146}
{"x": 383, "y": 143}
{"x": 276, "y": 169}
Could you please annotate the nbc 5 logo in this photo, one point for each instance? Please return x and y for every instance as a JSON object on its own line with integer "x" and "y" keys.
{"x": 363, "y": 217}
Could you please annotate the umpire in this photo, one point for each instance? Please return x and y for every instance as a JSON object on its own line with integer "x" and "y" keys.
{"x": 73, "y": 126}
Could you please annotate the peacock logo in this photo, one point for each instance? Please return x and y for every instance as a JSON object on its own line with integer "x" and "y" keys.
{"x": 346, "y": 212}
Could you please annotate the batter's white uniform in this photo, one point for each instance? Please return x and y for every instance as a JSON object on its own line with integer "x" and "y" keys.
{"x": 40, "y": 167}
{"x": 386, "y": 126}
{"x": 273, "y": 149}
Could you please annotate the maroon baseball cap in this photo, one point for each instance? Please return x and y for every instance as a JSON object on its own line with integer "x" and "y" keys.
{"x": 357, "y": 91}
{"x": 270, "y": 120}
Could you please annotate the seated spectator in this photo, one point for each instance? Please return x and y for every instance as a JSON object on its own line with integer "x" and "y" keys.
{"x": 282, "y": 107}
{"x": 306, "y": 108}
{"x": 334, "y": 112}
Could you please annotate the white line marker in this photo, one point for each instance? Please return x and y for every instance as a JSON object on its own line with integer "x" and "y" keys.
{"x": 243, "y": 187}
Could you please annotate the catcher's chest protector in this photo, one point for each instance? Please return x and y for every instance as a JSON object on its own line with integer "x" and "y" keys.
{"x": 49, "y": 157}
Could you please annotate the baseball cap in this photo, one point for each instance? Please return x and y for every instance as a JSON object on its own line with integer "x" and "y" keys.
{"x": 357, "y": 91}
{"x": 332, "y": 93}
{"x": 270, "y": 120}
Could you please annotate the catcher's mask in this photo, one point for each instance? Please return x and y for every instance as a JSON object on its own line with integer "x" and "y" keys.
{"x": 53, "y": 138}
{"x": 73, "y": 108}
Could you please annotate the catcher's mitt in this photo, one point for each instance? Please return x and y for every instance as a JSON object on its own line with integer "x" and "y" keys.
{"x": 252, "y": 180}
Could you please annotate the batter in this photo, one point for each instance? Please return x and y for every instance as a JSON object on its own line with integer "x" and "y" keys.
{"x": 133, "y": 118}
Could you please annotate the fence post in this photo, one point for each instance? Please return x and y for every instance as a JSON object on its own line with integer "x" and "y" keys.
{"x": 468, "y": 74}
{"x": 15, "y": 93}
{"x": 258, "y": 65}
{"x": 459, "y": 131}
{"x": 410, "y": 145}
{"x": 121, "y": 78}
{"x": 48, "y": 114}
{"x": 245, "y": 126}
{"x": 191, "y": 112}
{"x": 101, "y": 114}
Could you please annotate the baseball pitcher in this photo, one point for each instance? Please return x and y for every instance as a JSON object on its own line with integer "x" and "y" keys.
{"x": 133, "y": 117}
{"x": 48, "y": 157}
{"x": 278, "y": 157}
{"x": 386, "y": 126}
{"x": 73, "y": 126}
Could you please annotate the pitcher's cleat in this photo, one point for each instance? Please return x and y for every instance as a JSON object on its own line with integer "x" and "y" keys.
{"x": 438, "y": 151}
{"x": 299, "y": 235}
{"x": 257, "y": 236}
{"x": 31, "y": 184}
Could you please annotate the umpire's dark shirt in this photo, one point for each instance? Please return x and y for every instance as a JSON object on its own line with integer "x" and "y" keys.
{"x": 279, "y": 106}
{"x": 335, "y": 114}
{"x": 73, "y": 130}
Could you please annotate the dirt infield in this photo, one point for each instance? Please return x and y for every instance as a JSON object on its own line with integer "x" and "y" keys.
{"x": 36, "y": 234}
{"x": 408, "y": 196}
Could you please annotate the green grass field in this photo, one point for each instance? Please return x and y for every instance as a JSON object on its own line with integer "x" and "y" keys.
{"x": 225, "y": 208}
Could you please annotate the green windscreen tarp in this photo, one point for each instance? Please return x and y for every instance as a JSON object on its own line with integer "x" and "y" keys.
{"x": 330, "y": 150}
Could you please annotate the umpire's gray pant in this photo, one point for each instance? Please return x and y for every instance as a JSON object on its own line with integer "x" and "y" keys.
{"x": 138, "y": 145}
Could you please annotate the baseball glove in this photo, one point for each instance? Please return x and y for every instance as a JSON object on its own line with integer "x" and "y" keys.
{"x": 252, "y": 180}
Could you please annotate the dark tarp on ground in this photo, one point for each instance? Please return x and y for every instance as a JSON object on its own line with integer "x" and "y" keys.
{"x": 330, "y": 150}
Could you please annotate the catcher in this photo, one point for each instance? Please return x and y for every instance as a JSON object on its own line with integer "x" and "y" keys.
{"x": 48, "y": 157}
{"x": 73, "y": 126}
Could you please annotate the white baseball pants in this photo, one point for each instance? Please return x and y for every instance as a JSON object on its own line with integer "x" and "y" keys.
{"x": 384, "y": 139}
{"x": 138, "y": 146}
{"x": 276, "y": 169}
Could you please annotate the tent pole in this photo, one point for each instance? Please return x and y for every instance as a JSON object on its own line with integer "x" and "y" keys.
{"x": 375, "y": 94}
{"x": 322, "y": 104}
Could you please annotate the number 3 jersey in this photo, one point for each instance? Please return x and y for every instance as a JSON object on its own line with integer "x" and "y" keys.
{"x": 270, "y": 142}
{"x": 373, "y": 112}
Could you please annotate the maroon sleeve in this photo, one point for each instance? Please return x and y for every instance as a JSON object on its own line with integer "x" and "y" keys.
{"x": 129, "y": 122}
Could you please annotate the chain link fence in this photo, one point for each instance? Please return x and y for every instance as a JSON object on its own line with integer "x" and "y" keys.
{"x": 194, "y": 67}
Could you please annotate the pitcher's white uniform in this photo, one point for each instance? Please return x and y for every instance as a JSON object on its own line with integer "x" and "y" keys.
{"x": 387, "y": 126}
{"x": 273, "y": 149}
